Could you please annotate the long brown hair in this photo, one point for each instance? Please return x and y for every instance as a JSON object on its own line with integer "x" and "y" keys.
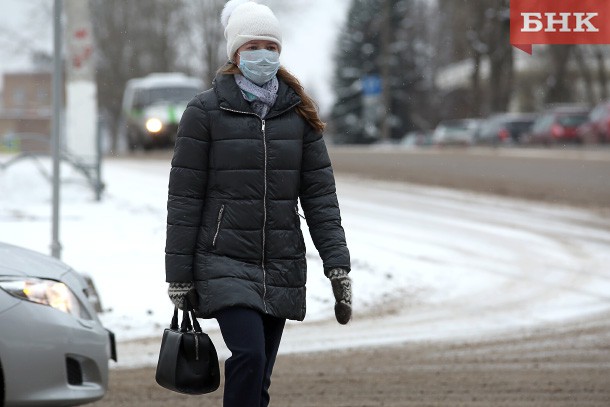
{"x": 307, "y": 109}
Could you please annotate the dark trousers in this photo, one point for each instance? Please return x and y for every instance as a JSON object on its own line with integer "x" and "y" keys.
{"x": 253, "y": 339}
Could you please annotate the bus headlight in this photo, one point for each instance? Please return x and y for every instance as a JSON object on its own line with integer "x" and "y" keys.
{"x": 154, "y": 125}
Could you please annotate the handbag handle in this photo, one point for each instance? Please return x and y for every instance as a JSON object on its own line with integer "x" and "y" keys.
{"x": 188, "y": 323}
{"x": 174, "y": 324}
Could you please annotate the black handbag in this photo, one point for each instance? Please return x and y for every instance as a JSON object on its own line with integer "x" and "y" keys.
{"x": 188, "y": 362}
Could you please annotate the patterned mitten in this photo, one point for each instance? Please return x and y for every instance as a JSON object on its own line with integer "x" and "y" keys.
{"x": 342, "y": 289}
{"x": 177, "y": 293}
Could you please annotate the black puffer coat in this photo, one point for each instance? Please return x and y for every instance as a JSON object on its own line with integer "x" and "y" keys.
{"x": 233, "y": 224}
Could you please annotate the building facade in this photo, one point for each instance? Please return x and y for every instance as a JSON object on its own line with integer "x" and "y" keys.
{"x": 25, "y": 113}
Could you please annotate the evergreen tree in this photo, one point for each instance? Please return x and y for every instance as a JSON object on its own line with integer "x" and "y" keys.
{"x": 357, "y": 52}
{"x": 400, "y": 62}
{"x": 409, "y": 65}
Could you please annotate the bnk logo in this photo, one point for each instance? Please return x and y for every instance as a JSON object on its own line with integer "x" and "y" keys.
{"x": 559, "y": 22}
{"x": 533, "y": 22}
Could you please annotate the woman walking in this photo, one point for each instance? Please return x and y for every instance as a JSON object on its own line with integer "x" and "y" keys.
{"x": 247, "y": 151}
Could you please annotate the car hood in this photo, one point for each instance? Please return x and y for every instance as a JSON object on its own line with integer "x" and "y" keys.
{"x": 18, "y": 261}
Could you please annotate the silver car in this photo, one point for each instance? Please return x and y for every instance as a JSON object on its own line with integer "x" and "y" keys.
{"x": 460, "y": 132}
{"x": 53, "y": 348}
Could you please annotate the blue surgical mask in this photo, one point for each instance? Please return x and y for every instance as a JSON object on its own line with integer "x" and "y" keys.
{"x": 259, "y": 66}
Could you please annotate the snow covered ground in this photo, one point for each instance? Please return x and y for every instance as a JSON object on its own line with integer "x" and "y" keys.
{"x": 428, "y": 263}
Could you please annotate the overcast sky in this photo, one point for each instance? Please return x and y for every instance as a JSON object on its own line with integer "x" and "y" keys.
{"x": 24, "y": 27}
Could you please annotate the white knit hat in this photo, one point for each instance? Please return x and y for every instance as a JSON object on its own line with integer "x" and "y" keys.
{"x": 246, "y": 20}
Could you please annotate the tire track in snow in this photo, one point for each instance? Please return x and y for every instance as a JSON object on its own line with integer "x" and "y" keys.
{"x": 556, "y": 265}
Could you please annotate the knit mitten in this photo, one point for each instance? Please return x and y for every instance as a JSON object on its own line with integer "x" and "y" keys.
{"x": 342, "y": 290}
{"x": 177, "y": 293}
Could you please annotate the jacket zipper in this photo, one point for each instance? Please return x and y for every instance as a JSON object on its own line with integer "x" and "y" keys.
{"x": 220, "y": 212}
{"x": 264, "y": 216}
{"x": 263, "y": 124}
{"x": 296, "y": 209}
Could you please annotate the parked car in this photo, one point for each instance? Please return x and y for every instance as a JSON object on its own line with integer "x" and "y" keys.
{"x": 153, "y": 106}
{"x": 417, "y": 138}
{"x": 558, "y": 126}
{"x": 504, "y": 128}
{"x": 53, "y": 348}
{"x": 597, "y": 128}
{"x": 455, "y": 132}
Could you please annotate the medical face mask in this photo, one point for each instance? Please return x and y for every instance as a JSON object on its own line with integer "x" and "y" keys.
{"x": 260, "y": 65}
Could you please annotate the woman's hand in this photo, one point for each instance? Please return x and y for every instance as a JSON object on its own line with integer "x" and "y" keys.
{"x": 342, "y": 290}
{"x": 177, "y": 293}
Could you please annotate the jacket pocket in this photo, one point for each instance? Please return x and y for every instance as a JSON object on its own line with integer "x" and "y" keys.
{"x": 299, "y": 231}
{"x": 218, "y": 222}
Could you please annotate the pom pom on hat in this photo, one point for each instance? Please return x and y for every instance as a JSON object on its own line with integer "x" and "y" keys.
{"x": 247, "y": 20}
{"x": 228, "y": 10}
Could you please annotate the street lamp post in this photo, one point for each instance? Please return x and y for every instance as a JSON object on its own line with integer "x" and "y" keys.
{"x": 56, "y": 131}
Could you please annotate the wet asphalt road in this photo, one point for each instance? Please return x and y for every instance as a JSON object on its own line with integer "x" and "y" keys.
{"x": 579, "y": 177}
{"x": 572, "y": 176}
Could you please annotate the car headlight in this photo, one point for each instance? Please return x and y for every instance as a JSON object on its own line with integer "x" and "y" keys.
{"x": 47, "y": 292}
{"x": 154, "y": 125}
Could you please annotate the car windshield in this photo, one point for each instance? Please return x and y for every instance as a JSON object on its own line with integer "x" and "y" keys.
{"x": 146, "y": 97}
{"x": 457, "y": 125}
{"x": 519, "y": 126}
{"x": 572, "y": 120}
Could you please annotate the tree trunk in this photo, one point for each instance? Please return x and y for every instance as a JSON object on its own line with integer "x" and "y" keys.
{"x": 476, "y": 104}
{"x": 501, "y": 60}
{"x": 558, "y": 84}
{"x": 581, "y": 56}
{"x": 385, "y": 71}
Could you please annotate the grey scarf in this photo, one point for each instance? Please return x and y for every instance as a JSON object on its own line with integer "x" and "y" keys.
{"x": 261, "y": 98}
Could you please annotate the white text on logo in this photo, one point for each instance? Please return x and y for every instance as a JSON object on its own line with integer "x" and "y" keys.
{"x": 581, "y": 22}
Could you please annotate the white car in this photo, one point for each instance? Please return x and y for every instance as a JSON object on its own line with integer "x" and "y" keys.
{"x": 53, "y": 348}
{"x": 455, "y": 132}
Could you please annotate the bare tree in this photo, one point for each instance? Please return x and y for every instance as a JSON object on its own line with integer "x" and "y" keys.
{"x": 454, "y": 21}
{"x": 558, "y": 83}
{"x": 129, "y": 45}
{"x": 500, "y": 54}
{"x": 478, "y": 30}
{"x": 601, "y": 54}
{"x": 476, "y": 35}
{"x": 581, "y": 54}
{"x": 34, "y": 41}
{"x": 205, "y": 35}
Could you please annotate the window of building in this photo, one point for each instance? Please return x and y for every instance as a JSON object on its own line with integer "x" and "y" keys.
{"x": 19, "y": 97}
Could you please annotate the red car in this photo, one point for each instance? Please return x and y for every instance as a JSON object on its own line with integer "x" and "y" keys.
{"x": 558, "y": 126}
{"x": 597, "y": 128}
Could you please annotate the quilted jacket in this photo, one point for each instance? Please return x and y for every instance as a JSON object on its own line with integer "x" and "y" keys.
{"x": 233, "y": 225}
